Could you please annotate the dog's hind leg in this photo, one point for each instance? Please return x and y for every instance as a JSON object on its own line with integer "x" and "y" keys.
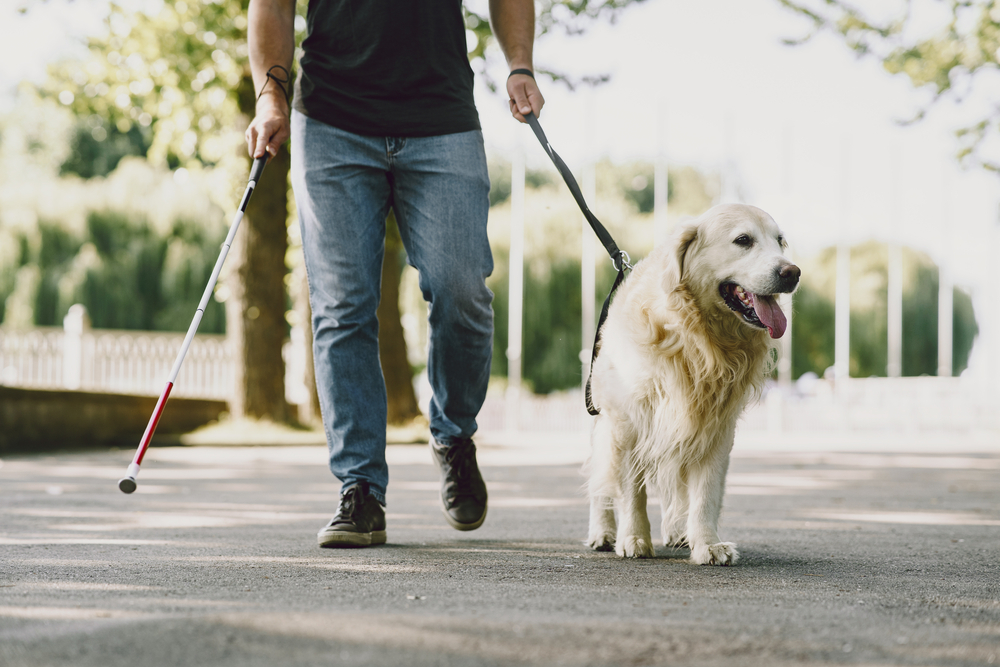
{"x": 602, "y": 486}
{"x": 706, "y": 486}
{"x": 634, "y": 539}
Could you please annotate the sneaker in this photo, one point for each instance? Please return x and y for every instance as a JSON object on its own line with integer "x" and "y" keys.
{"x": 463, "y": 492}
{"x": 360, "y": 520}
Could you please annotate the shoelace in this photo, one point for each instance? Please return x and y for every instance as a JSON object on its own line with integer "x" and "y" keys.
{"x": 459, "y": 458}
{"x": 349, "y": 502}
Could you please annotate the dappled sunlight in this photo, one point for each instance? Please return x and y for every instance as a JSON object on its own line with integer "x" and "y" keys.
{"x": 345, "y": 561}
{"x": 69, "y": 613}
{"x": 112, "y": 473}
{"x": 435, "y": 487}
{"x": 903, "y": 517}
{"x": 85, "y": 586}
{"x": 743, "y": 490}
{"x": 536, "y": 502}
{"x": 32, "y": 540}
{"x": 872, "y": 460}
{"x": 146, "y": 520}
{"x": 798, "y": 479}
{"x": 292, "y": 455}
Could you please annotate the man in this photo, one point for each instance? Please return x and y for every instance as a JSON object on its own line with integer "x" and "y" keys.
{"x": 384, "y": 117}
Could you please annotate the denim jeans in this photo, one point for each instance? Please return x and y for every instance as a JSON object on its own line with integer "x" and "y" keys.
{"x": 439, "y": 189}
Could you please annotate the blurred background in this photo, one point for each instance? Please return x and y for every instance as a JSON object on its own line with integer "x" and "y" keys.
{"x": 870, "y": 137}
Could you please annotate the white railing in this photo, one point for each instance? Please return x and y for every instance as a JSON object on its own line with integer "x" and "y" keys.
{"x": 894, "y": 406}
{"x": 77, "y": 357}
{"x": 138, "y": 362}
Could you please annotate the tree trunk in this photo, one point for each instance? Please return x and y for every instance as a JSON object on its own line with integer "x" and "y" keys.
{"x": 309, "y": 413}
{"x": 255, "y": 311}
{"x": 391, "y": 343}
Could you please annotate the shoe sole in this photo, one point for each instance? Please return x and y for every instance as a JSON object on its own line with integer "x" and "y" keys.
{"x": 343, "y": 540}
{"x": 464, "y": 526}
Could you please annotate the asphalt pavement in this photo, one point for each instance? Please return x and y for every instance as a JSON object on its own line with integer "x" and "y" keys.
{"x": 848, "y": 557}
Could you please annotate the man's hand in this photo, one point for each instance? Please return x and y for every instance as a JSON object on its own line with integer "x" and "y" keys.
{"x": 513, "y": 23}
{"x": 271, "y": 44}
{"x": 524, "y": 96}
{"x": 271, "y": 126}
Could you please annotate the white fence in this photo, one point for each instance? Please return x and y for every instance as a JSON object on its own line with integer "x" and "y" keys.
{"x": 895, "y": 407}
{"x": 138, "y": 362}
{"x": 128, "y": 362}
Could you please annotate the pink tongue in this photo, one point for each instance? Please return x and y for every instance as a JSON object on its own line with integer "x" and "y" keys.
{"x": 769, "y": 314}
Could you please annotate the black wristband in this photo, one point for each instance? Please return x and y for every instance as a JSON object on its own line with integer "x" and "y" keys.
{"x": 277, "y": 80}
{"x": 521, "y": 71}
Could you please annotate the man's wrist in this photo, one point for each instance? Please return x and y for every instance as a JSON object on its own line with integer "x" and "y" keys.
{"x": 273, "y": 101}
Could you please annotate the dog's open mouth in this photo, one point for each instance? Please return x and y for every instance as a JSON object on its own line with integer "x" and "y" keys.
{"x": 759, "y": 310}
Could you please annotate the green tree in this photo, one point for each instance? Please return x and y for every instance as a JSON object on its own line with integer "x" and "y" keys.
{"x": 127, "y": 274}
{"x": 176, "y": 83}
{"x": 952, "y": 61}
{"x": 178, "y": 80}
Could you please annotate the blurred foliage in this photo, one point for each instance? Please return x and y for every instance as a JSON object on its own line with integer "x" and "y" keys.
{"x": 949, "y": 62}
{"x": 632, "y": 182}
{"x": 574, "y": 17}
{"x": 552, "y": 338}
{"x": 167, "y": 77}
{"x": 127, "y": 274}
{"x": 500, "y": 180}
{"x": 96, "y": 151}
{"x": 814, "y": 307}
{"x": 177, "y": 71}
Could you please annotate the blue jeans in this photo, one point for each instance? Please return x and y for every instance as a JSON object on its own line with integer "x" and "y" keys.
{"x": 439, "y": 188}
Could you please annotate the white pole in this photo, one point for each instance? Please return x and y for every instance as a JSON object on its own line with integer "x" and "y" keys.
{"x": 894, "y": 368}
{"x": 785, "y": 361}
{"x": 946, "y": 287}
{"x": 660, "y": 180}
{"x": 842, "y": 314}
{"x": 515, "y": 303}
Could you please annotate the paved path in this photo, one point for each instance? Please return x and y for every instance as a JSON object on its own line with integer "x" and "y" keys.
{"x": 847, "y": 558}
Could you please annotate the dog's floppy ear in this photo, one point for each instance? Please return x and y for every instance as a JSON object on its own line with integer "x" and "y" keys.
{"x": 684, "y": 237}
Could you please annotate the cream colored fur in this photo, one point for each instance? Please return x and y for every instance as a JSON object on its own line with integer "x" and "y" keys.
{"x": 675, "y": 370}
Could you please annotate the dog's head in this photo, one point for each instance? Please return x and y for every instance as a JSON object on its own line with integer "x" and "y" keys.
{"x": 732, "y": 258}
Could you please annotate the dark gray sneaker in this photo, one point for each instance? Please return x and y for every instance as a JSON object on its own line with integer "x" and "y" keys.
{"x": 360, "y": 521}
{"x": 463, "y": 491}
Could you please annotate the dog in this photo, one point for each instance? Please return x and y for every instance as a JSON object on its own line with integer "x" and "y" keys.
{"x": 686, "y": 345}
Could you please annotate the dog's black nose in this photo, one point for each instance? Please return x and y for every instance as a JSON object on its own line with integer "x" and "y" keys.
{"x": 788, "y": 275}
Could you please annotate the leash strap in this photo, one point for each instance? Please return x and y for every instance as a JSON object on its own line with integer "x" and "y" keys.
{"x": 619, "y": 258}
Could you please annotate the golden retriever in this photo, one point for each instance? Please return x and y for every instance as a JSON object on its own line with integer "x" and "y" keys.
{"x": 685, "y": 346}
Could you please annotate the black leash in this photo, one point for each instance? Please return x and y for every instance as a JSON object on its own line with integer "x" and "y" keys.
{"x": 619, "y": 258}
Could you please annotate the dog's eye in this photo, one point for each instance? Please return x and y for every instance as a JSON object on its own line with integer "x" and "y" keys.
{"x": 743, "y": 240}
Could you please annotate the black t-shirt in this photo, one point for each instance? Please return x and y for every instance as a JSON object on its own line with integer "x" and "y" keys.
{"x": 395, "y": 68}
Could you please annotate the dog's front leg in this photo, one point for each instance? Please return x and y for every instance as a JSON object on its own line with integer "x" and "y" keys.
{"x": 634, "y": 539}
{"x": 706, "y": 486}
{"x": 605, "y": 460}
{"x": 674, "y": 507}
{"x": 601, "y": 536}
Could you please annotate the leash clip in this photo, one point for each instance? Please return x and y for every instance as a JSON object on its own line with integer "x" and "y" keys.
{"x": 624, "y": 259}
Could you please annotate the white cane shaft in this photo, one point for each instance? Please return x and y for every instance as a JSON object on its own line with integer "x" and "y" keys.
{"x": 209, "y": 290}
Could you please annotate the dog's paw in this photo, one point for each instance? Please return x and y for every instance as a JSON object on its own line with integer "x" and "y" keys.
{"x": 634, "y": 546}
{"x": 601, "y": 542}
{"x": 676, "y": 542}
{"x": 722, "y": 553}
